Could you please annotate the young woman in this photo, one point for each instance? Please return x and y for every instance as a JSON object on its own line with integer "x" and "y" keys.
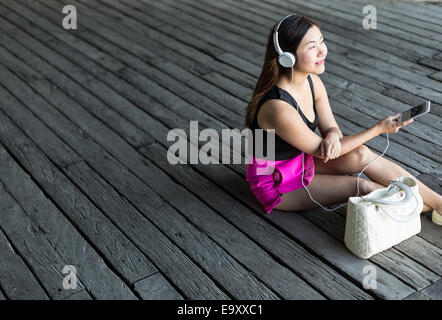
{"x": 328, "y": 159}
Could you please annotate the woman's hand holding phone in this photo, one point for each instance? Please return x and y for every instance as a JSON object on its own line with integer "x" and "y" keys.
{"x": 391, "y": 124}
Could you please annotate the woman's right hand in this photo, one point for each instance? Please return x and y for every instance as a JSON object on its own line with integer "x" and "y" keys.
{"x": 391, "y": 125}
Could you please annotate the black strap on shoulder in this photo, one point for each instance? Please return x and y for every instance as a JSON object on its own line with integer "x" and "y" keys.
{"x": 313, "y": 91}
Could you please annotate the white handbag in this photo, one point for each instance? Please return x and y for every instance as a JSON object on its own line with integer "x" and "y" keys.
{"x": 383, "y": 218}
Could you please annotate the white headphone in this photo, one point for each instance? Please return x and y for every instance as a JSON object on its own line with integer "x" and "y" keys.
{"x": 285, "y": 59}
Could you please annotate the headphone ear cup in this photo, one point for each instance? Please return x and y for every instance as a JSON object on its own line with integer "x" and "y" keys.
{"x": 287, "y": 60}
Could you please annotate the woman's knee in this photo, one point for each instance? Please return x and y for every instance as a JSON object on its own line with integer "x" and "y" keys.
{"x": 360, "y": 157}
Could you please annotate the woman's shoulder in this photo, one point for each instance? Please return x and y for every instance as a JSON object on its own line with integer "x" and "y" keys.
{"x": 271, "y": 110}
{"x": 318, "y": 86}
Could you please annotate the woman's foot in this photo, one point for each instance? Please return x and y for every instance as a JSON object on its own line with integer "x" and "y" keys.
{"x": 436, "y": 216}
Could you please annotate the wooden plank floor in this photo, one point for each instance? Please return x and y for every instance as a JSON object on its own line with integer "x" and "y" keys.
{"x": 84, "y": 176}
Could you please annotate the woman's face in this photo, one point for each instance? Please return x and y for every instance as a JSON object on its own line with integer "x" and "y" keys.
{"x": 311, "y": 52}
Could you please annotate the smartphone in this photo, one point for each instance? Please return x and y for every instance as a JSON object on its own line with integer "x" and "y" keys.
{"x": 414, "y": 112}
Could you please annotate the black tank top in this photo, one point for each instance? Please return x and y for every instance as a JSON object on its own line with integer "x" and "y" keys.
{"x": 283, "y": 150}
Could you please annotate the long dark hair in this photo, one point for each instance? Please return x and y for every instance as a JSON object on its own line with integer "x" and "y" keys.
{"x": 290, "y": 33}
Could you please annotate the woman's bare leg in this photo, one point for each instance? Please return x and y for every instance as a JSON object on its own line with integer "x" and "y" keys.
{"x": 325, "y": 189}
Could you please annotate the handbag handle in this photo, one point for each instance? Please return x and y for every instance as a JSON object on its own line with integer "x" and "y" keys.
{"x": 408, "y": 194}
{"x": 402, "y": 186}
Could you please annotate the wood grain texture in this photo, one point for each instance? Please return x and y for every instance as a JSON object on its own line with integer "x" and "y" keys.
{"x": 156, "y": 287}
{"x": 16, "y": 279}
{"x": 111, "y": 242}
{"x": 37, "y": 217}
{"x": 434, "y": 292}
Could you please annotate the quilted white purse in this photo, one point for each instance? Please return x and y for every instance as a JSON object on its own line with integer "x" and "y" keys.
{"x": 383, "y": 218}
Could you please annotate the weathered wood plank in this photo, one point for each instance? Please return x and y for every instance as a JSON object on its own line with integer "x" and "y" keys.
{"x": 125, "y": 128}
{"x": 385, "y": 69}
{"x": 421, "y": 11}
{"x": 161, "y": 93}
{"x": 429, "y": 230}
{"x": 385, "y": 17}
{"x": 135, "y": 113}
{"x": 80, "y": 295}
{"x": 398, "y": 31}
{"x": 214, "y": 16}
{"x": 330, "y": 18}
{"x": 220, "y": 99}
{"x": 227, "y": 272}
{"x": 228, "y": 85}
{"x": 172, "y": 40}
{"x": 314, "y": 271}
{"x": 42, "y": 217}
{"x": 140, "y": 98}
{"x": 156, "y": 287}
{"x": 423, "y": 252}
{"x": 224, "y": 101}
{"x": 126, "y": 259}
{"x": 16, "y": 280}
{"x": 170, "y": 259}
{"x": 436, "y": 76}
{"x": 432, "y": 63}
{"x": 416, "y": 296}
{"x": 366, "y": 49}
{"x": 163, "y": 12}
{"x": 381, "y": 100}
{"x": 32, "y": 244}
{"x": 200, "y": 285}
{"x": 434, "y": 292}
{"x": 206, "y": 34}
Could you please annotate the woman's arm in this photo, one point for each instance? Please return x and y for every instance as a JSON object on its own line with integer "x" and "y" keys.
{"x": 289, "y": 126}
{"x": 387, "y": 125}
{"x": 349, "y": 143}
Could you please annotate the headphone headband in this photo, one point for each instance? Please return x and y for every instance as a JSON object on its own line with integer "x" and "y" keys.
{"x": 275, "y": 35}
{"x": 286, "y": 59}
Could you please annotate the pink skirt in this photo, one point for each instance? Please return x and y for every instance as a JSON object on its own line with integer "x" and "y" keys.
{"x": 286, "y": 177}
